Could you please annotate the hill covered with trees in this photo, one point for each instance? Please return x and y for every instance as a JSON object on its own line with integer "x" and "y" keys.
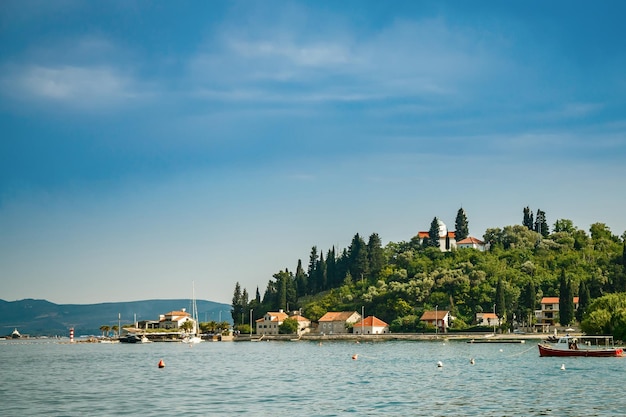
{"x": 399, "y": 281}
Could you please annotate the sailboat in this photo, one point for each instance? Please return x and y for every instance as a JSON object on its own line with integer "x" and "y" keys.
{"x": 193, "y": 337}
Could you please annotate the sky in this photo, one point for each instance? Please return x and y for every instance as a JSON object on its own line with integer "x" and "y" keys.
{"x": 148, "y": 147}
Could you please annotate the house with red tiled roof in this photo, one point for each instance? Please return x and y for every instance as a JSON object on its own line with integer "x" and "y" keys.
{"x": 337, "y": 321}
{"x": 547, "y": 315}
{"x": 439, "y": 318}
{"x": 487, "y": 319}
{"x": 471, "y": 242}
{"x": 370, "y": 325}
{"x": 174, "y": 319}
{"x": 269, "y": 323}
{"x": 304, "y": 324}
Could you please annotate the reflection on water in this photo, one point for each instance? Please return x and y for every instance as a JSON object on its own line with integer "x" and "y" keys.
{"x": 395, "y": 378}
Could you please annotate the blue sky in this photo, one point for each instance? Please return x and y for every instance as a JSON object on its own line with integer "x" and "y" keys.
{"x": 146, "y": 145}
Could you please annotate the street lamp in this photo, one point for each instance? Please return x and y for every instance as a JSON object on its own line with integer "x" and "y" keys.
{"x": 494, "y": 320}
{"x": 436, "y": 322}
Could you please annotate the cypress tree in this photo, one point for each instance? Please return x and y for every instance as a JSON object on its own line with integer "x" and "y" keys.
{"x": 433, "y": 234}
{"x": 321, "y": 274}
{"x": 312, "y": 287}
{"x": 375, "y": 256}
{"x": 236, "y": 309}
{"x": 541, "y": 225}
{"x": 500, "y": 303}
{"x": 301, "y": 280}
{"x": 461, "y": 227}
{"x": 583, "y": 300}
{"x": 566, "y": 300}
{"x": 331, "y": 269}
{"x": 528, "y": 218}
{"x": 357, "y": 254}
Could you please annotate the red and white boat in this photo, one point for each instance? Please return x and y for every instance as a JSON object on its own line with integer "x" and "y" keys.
{"x": 588, "y": 346}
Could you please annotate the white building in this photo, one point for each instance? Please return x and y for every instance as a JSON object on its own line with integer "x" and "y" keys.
{"x": 370, "y": 325}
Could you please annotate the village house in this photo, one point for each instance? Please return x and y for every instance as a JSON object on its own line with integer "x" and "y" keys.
{"x": 337, "y": 321}
{"x": 370, "y": 325}
{"x": 304, "y": 324}
{"x": 547, "y": 315}
{"x": 487, "y": 319}
{"x": 471, "y": 242}
{"x": 270, "y": 322}
{"x": 174, "y": 319}
{"x": 439, "y": 318}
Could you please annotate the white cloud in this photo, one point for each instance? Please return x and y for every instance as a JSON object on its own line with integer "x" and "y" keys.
{"x": 72, "y": 85}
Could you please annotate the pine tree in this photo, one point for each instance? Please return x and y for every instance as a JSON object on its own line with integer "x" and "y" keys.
{"x": 321, "y": 275}
{"x": 433, "y": 234}
{"x": 461, "y": 227}
{"x": 528, "y": 218}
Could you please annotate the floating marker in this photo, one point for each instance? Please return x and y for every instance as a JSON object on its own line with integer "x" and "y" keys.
{"x": 161, "y": 364}
{"x": 472, "y": 361}
{"x": 355, "y": 356}
{"x": 562, "y": 367}
{"x": 439, "y": 364}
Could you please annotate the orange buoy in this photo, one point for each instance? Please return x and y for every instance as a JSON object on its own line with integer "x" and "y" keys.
{"x": 355, "y": 356}
{"x": 161, "y": 364}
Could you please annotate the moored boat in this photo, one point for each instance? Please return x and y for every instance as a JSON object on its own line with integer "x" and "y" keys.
{"x": 587, "y": 346}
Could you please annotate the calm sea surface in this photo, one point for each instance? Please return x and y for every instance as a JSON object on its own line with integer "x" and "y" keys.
{"x": 393, "y": 378}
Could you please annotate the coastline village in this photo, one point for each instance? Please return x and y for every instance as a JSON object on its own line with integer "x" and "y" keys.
{"x": 350, "y": 324}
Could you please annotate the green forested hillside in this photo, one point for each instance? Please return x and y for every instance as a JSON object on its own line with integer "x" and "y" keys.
{"x": 398, "y": 281}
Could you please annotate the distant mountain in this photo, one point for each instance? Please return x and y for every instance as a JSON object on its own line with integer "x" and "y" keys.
{"x": 41, "y": 317}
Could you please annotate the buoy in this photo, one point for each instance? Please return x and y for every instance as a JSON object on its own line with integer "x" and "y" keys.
{"x": 161, "y": 364}
{"x": 501, "y": 350}
{"x": 472, "y": 361}
{"x": 355, "y": 356}
{"x": 562, "y": 367}
{"x": 439, "y": 364}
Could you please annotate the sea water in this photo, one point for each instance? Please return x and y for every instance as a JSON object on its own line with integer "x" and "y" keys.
{"x": 303, "y": 378}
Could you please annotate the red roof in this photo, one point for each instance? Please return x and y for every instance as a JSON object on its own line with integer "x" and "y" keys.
{"x": 337, "y": 316}
{"x": 430, "y": 315}
{"x": 488, "y": 315}
{"x": 554, "y": 300}
{"x": 371, "y": 321}
{"x": 424, "y": 235}
{"x": 470, "y": 240}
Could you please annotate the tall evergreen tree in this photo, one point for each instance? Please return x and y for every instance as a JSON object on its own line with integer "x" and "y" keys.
{"x": 500, "y": 300}
{"x": 461, "y": 227}
{"x": 331, "y": 269}
{"x": 236, "y": 309}
{"x": 311, "y": 272}
{"x": 529, "y": 299}
{"x": 357, "y": 254}
{"x": 566, "y": 300}
{"x": 375, "y": 256}
{"x": 433, "y": 234}
{"x": 528, "y": 218}
{"x": 541, "y": 225}
{"x": 583, "y": 300}
{"x": 321, "y": 274}
{"x": 301, "y": 280}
